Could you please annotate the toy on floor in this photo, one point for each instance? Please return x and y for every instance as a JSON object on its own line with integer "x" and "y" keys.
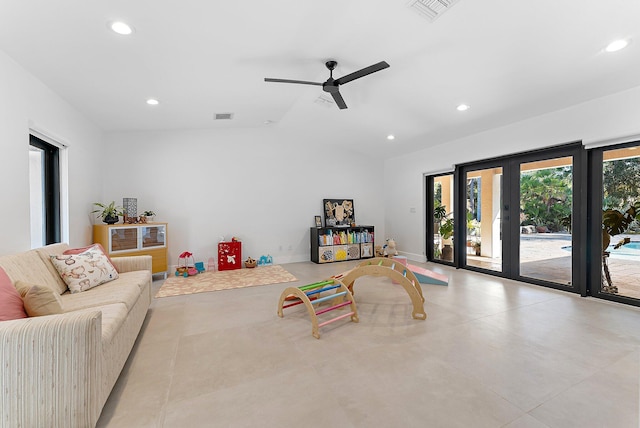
{"x": 382, "y": 266}
{"x": 426, "y": 276}
{"x": 389, "y": 249}
{"x": 186, "y": 265}
{"x": 200, "y": 267}
{"x": 309, "y": 295}
{"x": 265, "y": 261}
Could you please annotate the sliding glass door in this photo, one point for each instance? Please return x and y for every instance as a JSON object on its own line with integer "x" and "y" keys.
{"x": 483, "y": 228}
{"x": 518, "y": 214}
{"x": 440, "y": 197}
{"x": 615, "y": 265}
{"x": 546, "y": 206}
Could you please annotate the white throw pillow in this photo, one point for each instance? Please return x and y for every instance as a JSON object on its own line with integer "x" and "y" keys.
{"x": 85, "y": 270}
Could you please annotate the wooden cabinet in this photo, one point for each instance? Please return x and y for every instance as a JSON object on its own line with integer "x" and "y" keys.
{"x": 135, "y": 240}
{"x": 336, "y": 244}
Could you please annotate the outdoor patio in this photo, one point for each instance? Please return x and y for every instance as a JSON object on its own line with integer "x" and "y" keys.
{"x": 543, "y": 257}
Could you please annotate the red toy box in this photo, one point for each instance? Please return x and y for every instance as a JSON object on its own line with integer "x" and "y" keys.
{"x": 229, "y": 255}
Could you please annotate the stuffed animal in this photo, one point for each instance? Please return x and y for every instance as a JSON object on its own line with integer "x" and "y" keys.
{"x": 390, "y": 249}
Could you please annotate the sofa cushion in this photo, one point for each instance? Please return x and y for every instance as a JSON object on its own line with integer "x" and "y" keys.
{"x": 11, "y": 306}
{"x": 38, "y": 300}
{"x": 45, "y": 254}
{"x": 113, "y": 317}
{"x": 139, "y": 277}
{"x": 29, "y": 267}
{"x": 85, "y": 270}
{"x": 112, "y": 292}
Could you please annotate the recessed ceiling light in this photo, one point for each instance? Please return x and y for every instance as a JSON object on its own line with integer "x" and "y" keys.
{"x": 391, "y": 137}
{"x": 153, "y": 102}
{"x": 463, "y": 107}
{"x": 617, "y": 45}
{"x": 121, "y": 28}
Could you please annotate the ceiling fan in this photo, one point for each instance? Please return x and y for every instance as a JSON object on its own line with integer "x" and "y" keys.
{"x": 332, "y": 85}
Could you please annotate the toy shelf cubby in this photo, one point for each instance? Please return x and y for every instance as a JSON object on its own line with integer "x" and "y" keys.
{"x": 336, "y": 244}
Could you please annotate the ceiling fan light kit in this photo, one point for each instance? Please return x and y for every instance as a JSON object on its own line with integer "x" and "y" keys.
{"x": 331, "y": 85}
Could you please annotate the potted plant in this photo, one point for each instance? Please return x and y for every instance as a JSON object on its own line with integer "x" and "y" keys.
{"x": 109, "y": 213}
{"x": 445, "y": 230}
{"x": 147, "y": 215}
{"x": 615, "y": 222}
{"x": 446, "y": 233}
{"x": 477, "y": 247}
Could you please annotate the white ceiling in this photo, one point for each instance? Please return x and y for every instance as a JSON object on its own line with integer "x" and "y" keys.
{"x": 507, "y": 59}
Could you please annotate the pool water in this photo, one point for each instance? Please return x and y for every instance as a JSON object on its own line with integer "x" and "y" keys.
{"x": 632, "y": 249}
{"x": 633, "y": 245}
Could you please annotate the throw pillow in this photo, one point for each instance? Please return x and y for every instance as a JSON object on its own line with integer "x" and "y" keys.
{"x": 88, "y": 247}
{"x": 39, "y": 300}
{"x": 11, "y": 306}
{"x": 85, "y": 270}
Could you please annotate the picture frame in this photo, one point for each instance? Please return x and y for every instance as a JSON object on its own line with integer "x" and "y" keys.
{"x": 338, "y": 212}
{"x": 318, "y": 220}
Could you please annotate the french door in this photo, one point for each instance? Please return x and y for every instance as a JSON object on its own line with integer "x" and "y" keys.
{"x": 521, "y": 215}
{"x": 614, "y": 268}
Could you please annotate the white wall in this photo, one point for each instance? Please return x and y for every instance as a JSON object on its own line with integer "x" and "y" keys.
{"x": 25, "y": 102}
{"x": 262, "y": 185}
{"x": 602, "y": 119}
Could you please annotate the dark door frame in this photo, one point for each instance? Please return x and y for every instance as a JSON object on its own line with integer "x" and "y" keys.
{"x": 594, "y": 281}
{"x": 51, "y": 190}
{"x": 510, "y": 209}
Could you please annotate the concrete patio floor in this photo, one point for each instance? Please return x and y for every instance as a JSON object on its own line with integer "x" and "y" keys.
{"x": 543, "y": 257}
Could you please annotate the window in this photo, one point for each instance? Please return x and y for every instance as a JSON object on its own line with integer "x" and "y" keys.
{"x": 44, "y": 187}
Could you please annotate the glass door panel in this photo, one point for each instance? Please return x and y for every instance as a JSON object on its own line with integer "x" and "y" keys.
{"x": 123, "y": 239}
{"x": 546, "y": 204}
{"x": 620, "y": 222}
{"x": 484, "y": 218}
{"x": 443, "y": 218}
{"x": 153, "y": 236}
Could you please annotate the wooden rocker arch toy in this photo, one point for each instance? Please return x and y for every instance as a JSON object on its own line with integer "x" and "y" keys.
{"x": 310, "y": 295}
{"x": 382, "y": 266}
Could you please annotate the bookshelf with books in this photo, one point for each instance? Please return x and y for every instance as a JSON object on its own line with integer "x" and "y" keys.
{"x": 336, "y": 244}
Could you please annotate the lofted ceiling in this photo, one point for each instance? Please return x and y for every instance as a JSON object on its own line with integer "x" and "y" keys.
{"x": 508, "y": 60}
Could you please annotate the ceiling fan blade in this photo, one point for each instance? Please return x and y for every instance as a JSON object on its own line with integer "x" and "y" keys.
{"x": 302, "y": 82}
{"x": 339, "y": 100}
{"x": 363, "y": 72}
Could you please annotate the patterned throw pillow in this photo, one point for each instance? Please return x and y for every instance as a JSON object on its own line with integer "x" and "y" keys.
{"x": 85, "y": 270}
{"x": 88, "y": 247}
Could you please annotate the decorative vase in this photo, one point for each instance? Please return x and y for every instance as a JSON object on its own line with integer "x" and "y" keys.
{"x": 111, "y": 219}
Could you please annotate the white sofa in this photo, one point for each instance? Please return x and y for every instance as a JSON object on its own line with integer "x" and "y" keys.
{"x": 58, "y": 370}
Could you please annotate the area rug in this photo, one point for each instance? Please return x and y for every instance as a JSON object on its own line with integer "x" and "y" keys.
{"x": 224, "y": 280}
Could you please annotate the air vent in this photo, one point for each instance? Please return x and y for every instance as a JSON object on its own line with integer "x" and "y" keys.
{"x": 431, "y": 9}
{"x": 223, "y": 116}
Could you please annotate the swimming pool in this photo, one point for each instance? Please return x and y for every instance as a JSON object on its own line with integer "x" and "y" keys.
{"x": 628, "y": 251}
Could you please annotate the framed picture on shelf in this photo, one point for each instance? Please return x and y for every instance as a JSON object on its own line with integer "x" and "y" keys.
{"x": 338, "y": 212}
{"x": 318, "y": 221}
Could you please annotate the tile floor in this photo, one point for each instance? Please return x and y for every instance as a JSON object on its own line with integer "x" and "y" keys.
{"x": 492, "y": 353}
